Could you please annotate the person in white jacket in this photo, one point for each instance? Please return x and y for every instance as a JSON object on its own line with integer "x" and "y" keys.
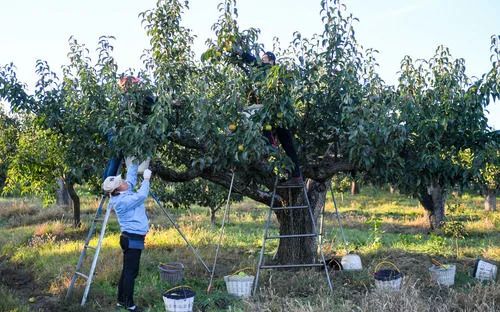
{"x": 134, "y": 225}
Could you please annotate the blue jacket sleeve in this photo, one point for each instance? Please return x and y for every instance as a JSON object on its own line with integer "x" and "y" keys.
{"x": 140, "y": 196}
{"x": 132, "y": 175}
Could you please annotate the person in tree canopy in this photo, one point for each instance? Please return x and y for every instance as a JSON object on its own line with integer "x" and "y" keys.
{"x": 284, "y": 135}
{"x": 134, "y": 225}
{"x": 141, "y": 103}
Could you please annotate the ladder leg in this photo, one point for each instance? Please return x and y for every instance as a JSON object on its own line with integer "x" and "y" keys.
{"x": 261, "y": 256}
{"x": 179, "y": 231}
{"x": 96, "y": 255}
{"x": 84, "y": 251}
{"x": 321, "y": 225}
{"x": 338, "y": 217}
{"x": 221, "y": 234}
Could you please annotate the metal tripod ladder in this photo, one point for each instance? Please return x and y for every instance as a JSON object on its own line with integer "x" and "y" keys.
{"x": 98, "y": 220}
{"x": 261, "y": 265}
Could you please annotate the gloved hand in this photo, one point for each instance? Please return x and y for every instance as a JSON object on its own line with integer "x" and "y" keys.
{"x": 147, "y": 174}
{"x": 129, "y": 161}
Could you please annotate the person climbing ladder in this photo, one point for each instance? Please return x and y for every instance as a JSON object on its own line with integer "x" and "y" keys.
{"x": 284, "y": 135}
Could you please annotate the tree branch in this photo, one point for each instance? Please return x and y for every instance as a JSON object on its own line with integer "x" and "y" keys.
{"x": 184, "y": 139}
{"x": 169, "y": 175}
{"x": 326, "y": 168}
{"x": 244, "y": 184}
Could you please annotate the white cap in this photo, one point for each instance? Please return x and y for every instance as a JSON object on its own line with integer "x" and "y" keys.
{"x": 111, "y": 183}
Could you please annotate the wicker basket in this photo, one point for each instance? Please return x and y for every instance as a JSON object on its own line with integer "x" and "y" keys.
{"x": 171, "y": 272}
{"x": 179, "y": 299}
{"x": 387, "y": 279}
{"x": 240, "y": 286}
{"x": 443, "y": 275}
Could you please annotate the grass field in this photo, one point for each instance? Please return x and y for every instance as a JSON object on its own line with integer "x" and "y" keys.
{"x": 39, "y": 250}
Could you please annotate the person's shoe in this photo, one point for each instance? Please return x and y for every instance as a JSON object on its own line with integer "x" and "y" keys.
{"x": 134, "y": 308}
{"x": 120, "y": 305}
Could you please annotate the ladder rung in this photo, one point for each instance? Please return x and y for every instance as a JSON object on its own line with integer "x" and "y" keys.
{"x": 291, "y": 236}
{"x": 290, "y": 186}
{"x": 305, "y": 265}
{"x": 90, "y": 247}
{"x": 289, "y": 207}
{"x": 82, "y": 275}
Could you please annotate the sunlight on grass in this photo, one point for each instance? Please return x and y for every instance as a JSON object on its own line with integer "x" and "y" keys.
{"x": 377, "y": 226}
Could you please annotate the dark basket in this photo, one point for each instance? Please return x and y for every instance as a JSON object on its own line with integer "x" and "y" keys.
{"x": 388, "y": 279}
{"x": 171, "y": 272}
{"x": 180, "y": 293}
{"x": 387, "y": 275}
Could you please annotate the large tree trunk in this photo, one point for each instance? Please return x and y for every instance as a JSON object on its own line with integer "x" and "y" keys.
{"x": 76, "y": 204}
{"x": 298, "y": 221}
{"x": 62, "y": 194}
{"x": 490, "y": 201}
{"x": 354, "y": 187}
{"x": 433, "y": 201}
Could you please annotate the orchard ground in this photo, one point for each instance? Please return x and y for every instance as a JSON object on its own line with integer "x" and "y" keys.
{"x": 39, "y": 249}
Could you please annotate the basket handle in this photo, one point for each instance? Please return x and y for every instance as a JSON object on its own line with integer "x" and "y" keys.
{"x": 180, "y": 286}
{"x": 242, "y": 270}
{"x": 436, "y": 263}
{"x": 171, "y": 266}
{"x": 386, "y": 262}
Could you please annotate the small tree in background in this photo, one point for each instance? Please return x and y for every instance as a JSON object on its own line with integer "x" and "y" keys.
{"x": 67, "y": 111}
{"x": 9, "y": 133}
{"x": 196, "y": 192}
{"x": 487, "y": 177}
{"x": 36, "y": 165}
{"x": 442, "y": 111}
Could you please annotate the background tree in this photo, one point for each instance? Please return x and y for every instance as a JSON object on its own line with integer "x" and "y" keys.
{"x": 67, "y": 111}
{"x": 9, "y": 133}
{"x": 36, "y": 165}
{"x": 487, "y": 178}
{"x": 442, "y": 111}
{"x": 196, "y": 192}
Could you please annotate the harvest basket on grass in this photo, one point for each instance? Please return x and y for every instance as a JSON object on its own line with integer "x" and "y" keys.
{"x": 171, "y": 272}
{"x": 443, "y": 274}
{"x": 239, "y": 283}
{"x": 179, "y": 299}
{"x": 387, "y": 279}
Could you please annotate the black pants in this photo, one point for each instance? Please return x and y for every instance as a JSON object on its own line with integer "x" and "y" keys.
{"x": 131, "y": 260}
{"x": 286, "y": 139}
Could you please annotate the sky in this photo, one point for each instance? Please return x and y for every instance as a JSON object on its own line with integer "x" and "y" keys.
{"x": 40, "y": 29}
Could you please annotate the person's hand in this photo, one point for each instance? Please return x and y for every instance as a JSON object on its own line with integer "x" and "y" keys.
{"x": 147, "y": 174}
{"x": 129, "y": 161}
{"x": 254, "y": 107}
